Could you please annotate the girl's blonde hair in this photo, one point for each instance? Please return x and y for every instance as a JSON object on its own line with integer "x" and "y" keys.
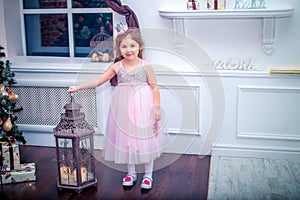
{"x": 135, "y": 35}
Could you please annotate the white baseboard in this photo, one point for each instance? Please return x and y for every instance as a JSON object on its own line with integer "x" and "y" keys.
{"x": 255, "y": 151}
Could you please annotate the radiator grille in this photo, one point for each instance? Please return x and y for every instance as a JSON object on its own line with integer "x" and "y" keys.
{"x": 44, "y": 105}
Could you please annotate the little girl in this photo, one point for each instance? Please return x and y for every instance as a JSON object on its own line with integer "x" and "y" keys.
{"x": 132, "y": 133}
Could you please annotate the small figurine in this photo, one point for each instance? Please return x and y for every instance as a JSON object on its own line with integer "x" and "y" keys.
{"x": 249, "y": 4}
{"x": 237, "y": 4}
{"x": 258, "y": 4}
{"x": 121, "y": 28}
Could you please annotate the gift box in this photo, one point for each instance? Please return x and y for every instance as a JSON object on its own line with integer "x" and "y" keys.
{"x": 216, "y": 4}
{"x": 24, "y": 174}
{"x": 193, "y": 5}
{"x": 11, "y": 156}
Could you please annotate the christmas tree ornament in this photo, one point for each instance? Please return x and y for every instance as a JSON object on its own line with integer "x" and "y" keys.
{"x": 1, "y": 121}
{"x": 8, "y": 91}
{"x": 1, "y": 89}
{"x": 13, "y": 98}
{"x": 7, "y": 126}
{"x": 3, "y": 102}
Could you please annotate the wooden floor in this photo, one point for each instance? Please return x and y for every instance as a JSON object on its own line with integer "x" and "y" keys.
{"x": 186, "y": 178}
{"x": 254, "y": 178}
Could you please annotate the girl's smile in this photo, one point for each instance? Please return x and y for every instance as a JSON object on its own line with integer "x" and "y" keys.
{"x": 129, "y": 54}
{"x": 129, "y": 48}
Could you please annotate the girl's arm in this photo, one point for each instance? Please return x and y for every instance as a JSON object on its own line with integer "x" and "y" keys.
{"x": 155, "y": 90}
{"x": 96, "y": 81}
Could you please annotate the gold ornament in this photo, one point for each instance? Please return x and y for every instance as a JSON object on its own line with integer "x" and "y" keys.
{"x": 7, "y": 126}
{"x": 1, "y": 89}
{"x": 13, "y": 98}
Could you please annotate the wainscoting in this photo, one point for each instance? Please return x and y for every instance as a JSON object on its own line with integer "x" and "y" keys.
{"x": 264, "y": 112}
{"x": 222, "y": 113}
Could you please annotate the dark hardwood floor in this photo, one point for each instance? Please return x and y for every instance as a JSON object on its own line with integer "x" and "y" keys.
{"x": 185, "y": 178}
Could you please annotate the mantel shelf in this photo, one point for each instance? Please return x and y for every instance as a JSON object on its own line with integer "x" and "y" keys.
{"x": 268, "y": 16}
{"x": 226, "y": 13}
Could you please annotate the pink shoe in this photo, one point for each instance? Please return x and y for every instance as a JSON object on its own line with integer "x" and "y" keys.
{"x": 129, "y": 180}
{"x": 147, "y": 183}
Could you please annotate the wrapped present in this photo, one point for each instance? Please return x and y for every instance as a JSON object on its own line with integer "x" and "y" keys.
{"x": 216, "y": 4}
{"x": 193, "y": 5}
{"x": 11, "y": 156}
{"x": 24, "y": 174}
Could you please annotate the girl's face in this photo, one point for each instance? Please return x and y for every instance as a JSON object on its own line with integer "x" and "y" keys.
{"x": 129, "y": 48}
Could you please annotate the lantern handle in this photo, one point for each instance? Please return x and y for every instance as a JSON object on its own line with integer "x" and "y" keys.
{"x": 72, "y": 97}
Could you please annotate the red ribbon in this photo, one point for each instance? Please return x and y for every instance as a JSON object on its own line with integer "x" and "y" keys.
{"x": 8, "y": 91}
{"x": 194, "y": 5}
{"x": 11, "y": 157}
{"x": 216, "y": 4}
{"x": 11, "y": 141}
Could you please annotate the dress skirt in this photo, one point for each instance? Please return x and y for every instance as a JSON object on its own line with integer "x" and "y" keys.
{"x": 132, "y": 135}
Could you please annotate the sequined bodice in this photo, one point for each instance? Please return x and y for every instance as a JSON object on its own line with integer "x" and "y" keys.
{"x": 136, "y": 75}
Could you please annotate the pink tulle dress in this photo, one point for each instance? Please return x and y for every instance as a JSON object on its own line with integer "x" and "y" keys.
{"x": 132, "y": 135}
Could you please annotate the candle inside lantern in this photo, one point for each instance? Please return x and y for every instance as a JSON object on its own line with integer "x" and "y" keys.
{"x": 65, "y": 173}
{"x": 84, "y": 174}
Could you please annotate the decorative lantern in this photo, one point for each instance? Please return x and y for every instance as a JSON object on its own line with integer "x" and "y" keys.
{"x": 75, "y": 150}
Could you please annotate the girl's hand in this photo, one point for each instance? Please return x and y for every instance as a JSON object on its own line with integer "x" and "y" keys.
{"x": 157, "y": 119}
{"x": 71, "y": 89}
{"x": 157, "y": 115}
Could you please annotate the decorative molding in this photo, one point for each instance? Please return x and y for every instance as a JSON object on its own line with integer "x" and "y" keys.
{"x": 268, "y": 17}
{"x": 256, "y": 151}
{"x": 263, "y": 135}
{"x": 197, "y": 90}
{"x": 245, "y": 147}
{"x": 179, "y": 28}
{"x": 255, "y": 135}
{"x": 268, "y": 40}
{"x": 184, "y": 132}
{"x": 235, "y": 64}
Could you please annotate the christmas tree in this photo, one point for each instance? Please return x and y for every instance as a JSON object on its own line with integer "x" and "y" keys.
{"x": 9, "y": 132}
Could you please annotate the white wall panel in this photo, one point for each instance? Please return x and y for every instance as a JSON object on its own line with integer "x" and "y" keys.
{"x": 268, "y": 113}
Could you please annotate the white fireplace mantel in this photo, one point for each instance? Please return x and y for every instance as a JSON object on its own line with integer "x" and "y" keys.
{"x": 268, "y": 17}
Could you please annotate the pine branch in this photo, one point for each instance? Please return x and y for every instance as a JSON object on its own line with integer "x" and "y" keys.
{"x": 8, "y": 106}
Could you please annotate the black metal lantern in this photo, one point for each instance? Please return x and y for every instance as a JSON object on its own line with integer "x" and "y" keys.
{"x": 75, "y": 150}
